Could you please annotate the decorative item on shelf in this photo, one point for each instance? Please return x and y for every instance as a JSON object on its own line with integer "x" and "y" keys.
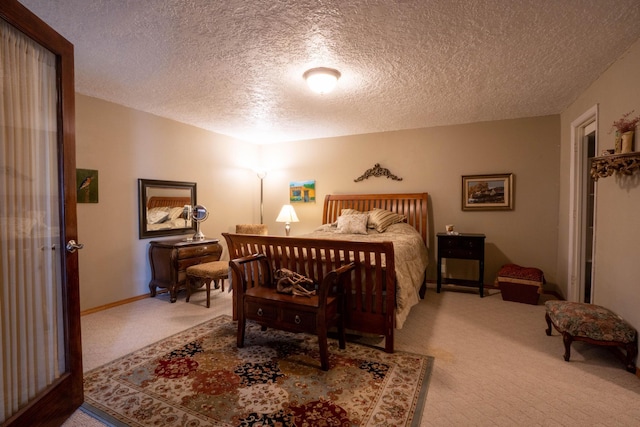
{"x": 620, "y": 164}
{"x": 617, "y": 145}
{"x": 625, "y": 128}
{"x": 627, "y": 142}
{"x": 287, "y": 215}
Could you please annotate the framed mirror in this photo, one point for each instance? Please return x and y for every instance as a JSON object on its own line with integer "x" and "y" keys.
{"x": 163, "y": 208}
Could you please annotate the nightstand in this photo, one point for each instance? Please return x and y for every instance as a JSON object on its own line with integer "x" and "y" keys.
{"x": 461, "y": 246}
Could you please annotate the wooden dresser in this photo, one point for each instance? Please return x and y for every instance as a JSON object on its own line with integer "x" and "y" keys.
{"x": 169, "y": 260}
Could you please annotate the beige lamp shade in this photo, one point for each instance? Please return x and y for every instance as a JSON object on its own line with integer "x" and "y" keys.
{"x": 287, "y": 215}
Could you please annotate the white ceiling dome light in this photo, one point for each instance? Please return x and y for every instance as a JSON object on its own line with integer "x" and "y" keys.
{"x": 322, "y": 80}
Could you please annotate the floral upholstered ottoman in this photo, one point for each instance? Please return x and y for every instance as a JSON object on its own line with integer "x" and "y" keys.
{"x": 593, "y": 324}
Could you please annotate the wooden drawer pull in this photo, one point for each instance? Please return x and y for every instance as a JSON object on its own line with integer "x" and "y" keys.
{"x": 260, "y": 313}
{"x": 297, "y": 320}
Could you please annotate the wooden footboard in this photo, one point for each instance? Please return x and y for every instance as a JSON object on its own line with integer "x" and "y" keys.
{"x": 370, "y": 288}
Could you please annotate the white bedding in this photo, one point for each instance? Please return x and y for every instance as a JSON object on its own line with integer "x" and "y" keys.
{"x": 166, "y": 218}
{"x": 169, "y": 225}
{"x": 411, "y": 260}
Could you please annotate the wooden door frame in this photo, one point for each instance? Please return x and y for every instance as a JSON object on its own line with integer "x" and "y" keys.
{"x": 65, "y": 395}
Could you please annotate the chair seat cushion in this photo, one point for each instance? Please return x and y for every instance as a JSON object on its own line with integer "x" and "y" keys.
{"x": 210, "y": 270}
{"x": 590, "y": 321}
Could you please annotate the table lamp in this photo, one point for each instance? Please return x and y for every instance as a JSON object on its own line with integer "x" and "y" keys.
{"x": 287, "y": 215}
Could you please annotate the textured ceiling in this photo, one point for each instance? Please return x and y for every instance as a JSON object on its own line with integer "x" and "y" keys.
{"x": 235, "y": 66}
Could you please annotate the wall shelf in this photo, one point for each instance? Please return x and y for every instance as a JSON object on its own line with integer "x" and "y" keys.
{"x": 621, "y": 164}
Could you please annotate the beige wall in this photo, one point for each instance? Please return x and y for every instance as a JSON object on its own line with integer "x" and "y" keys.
{"x": 433, "y": 160}
{"x": 125, "y": 144}
{"x": 617, "y": 271}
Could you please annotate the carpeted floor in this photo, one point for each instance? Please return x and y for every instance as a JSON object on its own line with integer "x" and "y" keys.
{"x": 494, "y": 364}
{"x": 199, "y": 377}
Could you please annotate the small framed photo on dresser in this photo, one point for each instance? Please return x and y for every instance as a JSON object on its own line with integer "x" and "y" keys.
{"x": 487, "y": 192}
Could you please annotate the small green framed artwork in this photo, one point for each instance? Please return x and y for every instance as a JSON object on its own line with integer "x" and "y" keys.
{"x": 302, "y": 191}
{"x": 87, "y": 185}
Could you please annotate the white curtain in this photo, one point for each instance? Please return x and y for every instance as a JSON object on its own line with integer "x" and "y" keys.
{"x": 31, "y": 329}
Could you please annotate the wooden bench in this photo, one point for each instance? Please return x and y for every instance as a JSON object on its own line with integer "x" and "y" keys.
{"x": 370, "y": 292}
{"x": 593, "y": 324}
{"x": 259, "y": 301}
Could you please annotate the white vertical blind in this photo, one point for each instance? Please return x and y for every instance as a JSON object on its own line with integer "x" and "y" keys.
{"x": 31, "y": 331}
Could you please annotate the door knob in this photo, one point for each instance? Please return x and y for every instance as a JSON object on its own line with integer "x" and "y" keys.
{"x": 72, "y": 246}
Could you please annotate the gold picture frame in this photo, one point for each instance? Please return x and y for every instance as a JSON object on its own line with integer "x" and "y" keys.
{"x": 487, "y": 192}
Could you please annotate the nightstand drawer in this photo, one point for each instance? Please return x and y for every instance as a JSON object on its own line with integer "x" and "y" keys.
{"x": 460, "y": 253}
{"x": 197, "y": 251}
{"x": 460, "y": 246}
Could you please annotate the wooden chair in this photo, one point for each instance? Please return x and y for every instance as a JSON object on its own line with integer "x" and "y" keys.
{"x": 259, "y": 301}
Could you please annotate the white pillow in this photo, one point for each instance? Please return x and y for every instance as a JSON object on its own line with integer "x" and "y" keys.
{"x": 175, "y": 213}
{"x": 157, "y": 215}
{"x": 351, "y": 212}
{"x": 352, "y": 224}
{"x": 381, "y": 219}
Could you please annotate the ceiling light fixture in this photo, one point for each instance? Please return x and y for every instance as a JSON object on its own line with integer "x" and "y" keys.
{"x": 322, "y": 80}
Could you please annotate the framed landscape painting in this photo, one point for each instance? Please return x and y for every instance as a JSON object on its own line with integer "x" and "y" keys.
{"x": 487, "y": 192}
{"x": 302, "y": 191}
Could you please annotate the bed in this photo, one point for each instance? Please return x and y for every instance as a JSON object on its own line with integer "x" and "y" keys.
{"x": 390, "y": 264}
{"x": 166, "y": 213}
{"x": 409, "y": 238}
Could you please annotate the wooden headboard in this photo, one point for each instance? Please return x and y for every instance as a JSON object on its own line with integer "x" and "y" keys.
{"x": 413, "y": 205}
{"x": 169, "y": 202}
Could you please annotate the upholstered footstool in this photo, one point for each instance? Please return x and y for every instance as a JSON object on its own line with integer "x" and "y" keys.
{"x": 520, "y": 284}
{"x": 593, "y": 324}
{"x": 216, "y": 271}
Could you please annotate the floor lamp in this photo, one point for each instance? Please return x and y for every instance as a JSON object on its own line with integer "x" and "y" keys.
{"x": 261, "y": 175}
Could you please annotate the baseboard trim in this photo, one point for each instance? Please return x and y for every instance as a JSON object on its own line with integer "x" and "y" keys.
{"x": 113, "y": 304}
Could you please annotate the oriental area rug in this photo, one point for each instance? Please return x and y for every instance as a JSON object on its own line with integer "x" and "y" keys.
{"x": 200, "y": 378}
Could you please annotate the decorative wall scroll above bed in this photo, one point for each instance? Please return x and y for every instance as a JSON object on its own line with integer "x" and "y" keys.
{"x": 377, "y": 171}
{"x": 162, "y": 207}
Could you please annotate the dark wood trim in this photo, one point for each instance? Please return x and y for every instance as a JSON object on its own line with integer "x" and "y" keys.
{"x": 55, "y": 405}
